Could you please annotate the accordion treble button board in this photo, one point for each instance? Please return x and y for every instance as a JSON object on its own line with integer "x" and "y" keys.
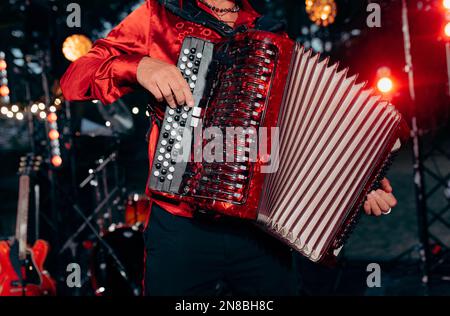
{"x": 174, "y": 144}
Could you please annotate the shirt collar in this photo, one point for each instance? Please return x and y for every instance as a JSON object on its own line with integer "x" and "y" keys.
{"x": 247, "y": 15}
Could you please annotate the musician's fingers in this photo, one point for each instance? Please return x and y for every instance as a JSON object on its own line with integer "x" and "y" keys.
{"x": 185, "y": 89}
{"x": 167, "y": 93}
{"x": 389, "y": 198}
{"x": 153, "y": 88}
{"x": 177, "y": 92}
{"x": 382, "y": 204}
{"x": 386, "y": 185}
{"x": 367, "y": 207}
{"x": 374, "y": 207}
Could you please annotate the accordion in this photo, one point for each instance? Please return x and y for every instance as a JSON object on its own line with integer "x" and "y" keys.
{"x": 312, "y": 141}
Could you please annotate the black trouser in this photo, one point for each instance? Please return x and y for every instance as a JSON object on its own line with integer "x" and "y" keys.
{"x": 204, "y": 256}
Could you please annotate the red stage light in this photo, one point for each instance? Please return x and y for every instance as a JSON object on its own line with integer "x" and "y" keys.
{"x": 4, "y": 91}
{"x": 53, "y": 134}
{"x": 446, "y": 4}
{"x": 51, "y": 117}
{"x": 385, "y": 84}
{"x": 447, "y": 30}
{"x": 56, "y": 161}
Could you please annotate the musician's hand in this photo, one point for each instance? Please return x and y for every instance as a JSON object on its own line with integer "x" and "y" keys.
{"x": 164, "y": 81}
{"x": 381, "y": 200}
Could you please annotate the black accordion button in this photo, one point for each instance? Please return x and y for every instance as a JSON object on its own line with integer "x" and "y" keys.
{"x": 193, "y": 50}
{"x": 195, "y": 70}
{"x": 162, "y": 179}
{"x": 197, "y": 63}
{"x": 158, "y": 166}
{"x": 165, "y": 135}
{"x": 171, "y": 141}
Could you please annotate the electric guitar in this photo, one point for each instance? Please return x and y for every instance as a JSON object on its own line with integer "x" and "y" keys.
{"x": 22, "y": 270}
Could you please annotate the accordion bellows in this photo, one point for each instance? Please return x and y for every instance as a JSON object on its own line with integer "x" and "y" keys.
{"x": 334, "y": 136}
{"x": 335, "y": 142}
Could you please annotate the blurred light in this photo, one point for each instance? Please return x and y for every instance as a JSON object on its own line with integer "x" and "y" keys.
{"x": 95, "y": 101}
{"x": 3, "y": 65}
{"x": 76, "y": 46}
{"x": 52, "y": 108}
{"x": 15, "y": 108}
{"x": 42, "y": 115}
{"x": 53, "y": 134}
{"x": 385, "y": 85}
{"x": 447, "y": 29}
{"x": 41, "y": 106}
{"x": 108, "y": 123}
{"x": 51, "y": 117}
{"x": 56, "y": 161}
{"x": 19, "y": 116}
{"x": 4, "y": 91}
{"x": 57, "y": 101}
{"x": 446, "y": 4}
{"x": 34, "y": 108}
{"x": 147, "y": 113}
{"x": 4, "y": 110}
{"x": 135, "y": 110}
{"x": 10, "y": 114}
{"x": 321, "y": 12}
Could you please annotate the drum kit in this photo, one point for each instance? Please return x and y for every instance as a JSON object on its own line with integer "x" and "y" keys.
{"x": 125, "y": 239}
{"x": 116, "y": 263}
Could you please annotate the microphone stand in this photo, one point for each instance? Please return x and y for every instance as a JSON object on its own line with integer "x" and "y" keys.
{"x": 418, "y": 174}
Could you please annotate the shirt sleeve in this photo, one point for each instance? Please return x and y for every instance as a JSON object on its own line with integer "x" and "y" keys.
{"x": 108, "y": 70}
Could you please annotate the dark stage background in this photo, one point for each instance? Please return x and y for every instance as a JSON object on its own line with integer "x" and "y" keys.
{"x": 32, "y": 32}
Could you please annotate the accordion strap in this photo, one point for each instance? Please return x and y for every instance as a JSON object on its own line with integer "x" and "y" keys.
{"x": 191, "y": 12}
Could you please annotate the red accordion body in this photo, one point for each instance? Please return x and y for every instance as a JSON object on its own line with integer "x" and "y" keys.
{"x": 335, "y": 142}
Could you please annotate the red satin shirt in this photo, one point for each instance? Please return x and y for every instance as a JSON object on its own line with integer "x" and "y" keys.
{"x": 108, "y": 71}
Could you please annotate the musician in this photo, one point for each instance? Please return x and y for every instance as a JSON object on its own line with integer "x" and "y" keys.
{"x": 187, "y": 255}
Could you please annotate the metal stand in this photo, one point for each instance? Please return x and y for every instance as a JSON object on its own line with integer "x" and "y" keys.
{"x": 427, "y": 259}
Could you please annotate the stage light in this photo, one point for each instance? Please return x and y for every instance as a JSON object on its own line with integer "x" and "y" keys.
{"x": 56, "y": 161}
{"x": 42, "y": 115}
{"x": 76, "y": 46}
{"x": 53, "y": 134}
{"x": 4, "y": 110}
{"x": 15, "y": 108}
{"x": 447, "y": 30}
{"x": 19, "y": 116}
{"x": 135, "y": 110}
{"x": 57, "y": 101}
{"x": 10, "y": 114}
{"x": 321, "y": 12}
{"x": 34, "y": 108}
{"x": 3, "y": 65}
{"x": 446, "y": 4}
{"x": 41, "y": 106}
{"x": 385, "y": 85}
{"x": 52, "y": 108}
{"x": 4, "y": 91}
{"x": 108, "y": 123}
{"x": 51, "y": 117}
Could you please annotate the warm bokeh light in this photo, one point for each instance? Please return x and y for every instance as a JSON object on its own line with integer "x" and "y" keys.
{"x": 76, "y": 46}
{"x": 321, "y": 12}
{"x": 385, "y": 84}
{"x": 51, "y": 117}
{"x": 447, "y": 30}
{"x": 3, "y": 65}
{"x": 53, "y": 134}
{"x": 56, "y": 161}
{"x": 4, "y": 91}
{"x": 446, "y": 4}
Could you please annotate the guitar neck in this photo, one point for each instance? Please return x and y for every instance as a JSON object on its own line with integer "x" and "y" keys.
{"x": 22, "y": 215}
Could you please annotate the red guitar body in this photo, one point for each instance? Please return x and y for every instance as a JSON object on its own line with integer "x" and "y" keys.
{"x": 38, "y": 281}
